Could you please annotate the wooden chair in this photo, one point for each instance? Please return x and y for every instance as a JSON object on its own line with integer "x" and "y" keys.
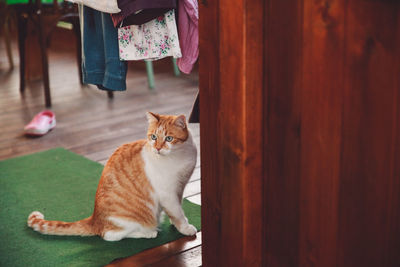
{"x": 33, "y": 13}
{"x": 150, "y": 72}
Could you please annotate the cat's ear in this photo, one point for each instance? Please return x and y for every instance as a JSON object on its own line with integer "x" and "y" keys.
{"x": 152, "y": 117}
{"x": 180, "y": 121}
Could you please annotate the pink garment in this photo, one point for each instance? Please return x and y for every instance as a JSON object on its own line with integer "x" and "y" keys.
{"x": 188, "y": 34}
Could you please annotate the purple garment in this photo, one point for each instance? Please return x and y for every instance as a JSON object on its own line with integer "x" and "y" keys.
{"x": 151, "y": 9}
{"x": 188, "y": 30}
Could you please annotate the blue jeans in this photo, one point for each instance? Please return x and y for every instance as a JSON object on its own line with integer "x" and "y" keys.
{"x": 100, "y": 52}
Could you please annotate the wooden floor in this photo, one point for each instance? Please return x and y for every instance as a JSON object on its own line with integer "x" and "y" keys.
{"x": 90, "y": 124}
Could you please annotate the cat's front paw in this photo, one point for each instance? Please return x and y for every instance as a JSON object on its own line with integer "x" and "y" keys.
{"x": 188, "y": 229}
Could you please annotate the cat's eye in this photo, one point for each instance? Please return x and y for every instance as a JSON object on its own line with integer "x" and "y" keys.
{"x": 153, "y": 137}
{"x": 169, "y": 138}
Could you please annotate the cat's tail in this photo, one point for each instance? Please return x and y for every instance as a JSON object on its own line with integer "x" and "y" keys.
{"x": 37, "y": 222}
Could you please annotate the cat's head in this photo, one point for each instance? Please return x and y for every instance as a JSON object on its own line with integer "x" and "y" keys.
{"x": 166, "y": 133}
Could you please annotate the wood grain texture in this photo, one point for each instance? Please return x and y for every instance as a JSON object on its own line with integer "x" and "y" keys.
{"x": 209, "y": 116}
{"x": 179, "y": 252}
{"x": 329, "y": 168}
{"x": 282, "y": 130}
{"x": 232, "y": 122}
{"x": 321, "y": 126}
{"x": 338, "y": 208}
{"x": 185, "y": 259}
{"x": 393, "y": 227}
{"x": 369, "y": 187}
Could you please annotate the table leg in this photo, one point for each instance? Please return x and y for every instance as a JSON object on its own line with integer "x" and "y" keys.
{"x": 45, "y": 66}
{"x": 21, "y": 24}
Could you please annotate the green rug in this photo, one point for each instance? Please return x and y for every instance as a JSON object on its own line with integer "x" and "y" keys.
{"x": 61, "y": 185}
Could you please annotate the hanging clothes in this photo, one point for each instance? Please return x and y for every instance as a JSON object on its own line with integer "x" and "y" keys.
{"x": 106, "y": 6}
{"x": 188, "y": 34}
{"x": 100, "y": 53}
{"x": 138, "y": 12}
{"x": 152, "y": 41}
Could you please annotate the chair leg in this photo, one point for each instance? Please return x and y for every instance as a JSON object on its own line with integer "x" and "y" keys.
{"x": 176, "y": 69}
{"x": 21, "y": 24}
{"x": 7, "y": 42}
{"x": 150, "y": 74}
{"x": 45, "y": 66}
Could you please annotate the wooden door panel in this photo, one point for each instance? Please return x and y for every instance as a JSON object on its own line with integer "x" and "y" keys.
{"x": 300, "y": 147}
{"x": 282, "y": 131}
{"x": 368, "y": 186}
{"x": 232, "y": 142}
{"x": 321, "y": 97}
{"x": 209, "y": 99}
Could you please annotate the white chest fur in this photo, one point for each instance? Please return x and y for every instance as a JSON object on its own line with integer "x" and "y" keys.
{"x": 168, "y": 174}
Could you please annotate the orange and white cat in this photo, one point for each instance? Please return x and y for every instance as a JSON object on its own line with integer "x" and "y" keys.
{"x": 139, "y": 181}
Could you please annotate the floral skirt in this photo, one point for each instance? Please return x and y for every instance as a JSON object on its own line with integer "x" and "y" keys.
{"x": 153, "y": 40}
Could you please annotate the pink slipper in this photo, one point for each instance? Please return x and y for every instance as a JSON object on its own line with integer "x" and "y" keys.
{"x": 41, "y": 123}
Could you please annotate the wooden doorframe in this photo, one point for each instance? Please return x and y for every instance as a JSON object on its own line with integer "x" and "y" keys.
{"x": 231, "y": 82}
{"x": 300, "y": 132}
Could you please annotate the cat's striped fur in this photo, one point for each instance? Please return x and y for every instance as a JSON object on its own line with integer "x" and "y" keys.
{"x": 139, "y": 181}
